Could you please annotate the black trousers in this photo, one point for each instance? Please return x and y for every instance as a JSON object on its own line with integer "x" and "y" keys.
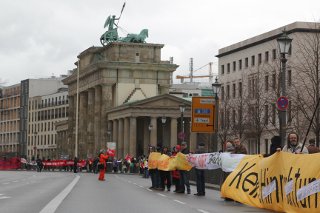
{"x": 165, "y": 176}
{"x": 200, "y": 181}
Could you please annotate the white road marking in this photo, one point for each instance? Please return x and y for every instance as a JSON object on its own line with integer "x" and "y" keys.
{"x": 178, "y": 201}
{"x": 203, "y": 211}
{"x": 4, "y": 197}
{"x": 15, "y": 181}
{"x": 162, "y": 195}
{"x": 140, "y": 186}
{"x": 55, "y": 202}
{"x": 5, "y": 183}
{"x": 149, "y": 190}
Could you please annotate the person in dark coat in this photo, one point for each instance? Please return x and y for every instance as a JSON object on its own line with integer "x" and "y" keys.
{"x": 165, "y": 176}
{"x": 275, "y": 144}
{"x": 75, "y": 165}
{"x": 184, "y": 175}
{"x": 200, "y": 174}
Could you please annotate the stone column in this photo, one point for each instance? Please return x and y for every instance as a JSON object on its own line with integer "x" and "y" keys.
{"x": 90, "y": 124}
{"x": 153, "y": 132}
{"x": 146, "y": 137}
{"x": 193, "y": 142}
{"x": 97, "y": 118}
{"x": 133, "y": 137}
{"x": 71, "y": 124}
{"x": 106, "y": 103}
{"x": 120, "y": 138}
{"x": 126, "y": 139}
{"x": 83, "y": 107}
{"x": 115, "y": 136}
{"x": 173, "y": 138}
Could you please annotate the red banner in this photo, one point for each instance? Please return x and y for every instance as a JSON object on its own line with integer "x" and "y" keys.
{"x": 11, "y": 163}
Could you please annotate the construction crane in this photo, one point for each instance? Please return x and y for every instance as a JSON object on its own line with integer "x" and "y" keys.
{"x": 191, "y": 76}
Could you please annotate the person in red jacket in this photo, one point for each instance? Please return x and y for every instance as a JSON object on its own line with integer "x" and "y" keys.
{"x": 102, "y": 161}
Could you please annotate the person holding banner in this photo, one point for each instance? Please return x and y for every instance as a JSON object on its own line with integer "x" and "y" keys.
{"x": 165, "y": 176}
{"x": 239, "y": 147}
{"x": 184, "y": 175}
{"x": 102, "y": 164}
{"x": 200, "y": 174}
{"x": 293, "y": 144}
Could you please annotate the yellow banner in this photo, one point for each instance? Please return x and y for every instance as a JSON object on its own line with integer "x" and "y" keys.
{"x": 153, "y": 160}
{"x": 282, "y": 182}
{"x": 166, "y": 163}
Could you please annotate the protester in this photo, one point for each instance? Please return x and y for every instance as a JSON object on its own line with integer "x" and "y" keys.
{"x": 184, "y": 175}
{"x": 152, "y": 172}
{"x": 229, "y": 147}
{"x": 293, "y": 144}
{"x": 312, "y": 148}
{"x": 275, "y": 144}
{"x": 200, "y": 174}
{"x": 39, "y": 164}
{"x": 165, "y": 176}
{"x": 75, "y": 165}
{"x": 102, "y": 164}
{"x": 239, "y": 147}
{"x": 175, "y": 173}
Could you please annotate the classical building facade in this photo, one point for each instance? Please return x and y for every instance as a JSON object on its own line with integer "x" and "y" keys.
{"x": 9, "y": 119}
{"x": 117, "y": 75}
{"x": 249, "y": 73}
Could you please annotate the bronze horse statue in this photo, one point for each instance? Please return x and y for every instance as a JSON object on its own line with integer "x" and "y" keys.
{"x": 136, "y": 38}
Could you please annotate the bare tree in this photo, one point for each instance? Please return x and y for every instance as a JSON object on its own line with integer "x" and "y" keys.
{"x": 306, "y": 87}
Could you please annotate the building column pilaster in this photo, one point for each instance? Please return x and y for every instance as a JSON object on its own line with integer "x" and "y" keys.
{"x": 153, "y": 132}
{"x": 83, "y": 107}
{"x": 133, "y": 137}
{"x": 106, "y": 103}
{"x": 97, "y": 118}
{"x": 115, "y": 135}
{"x": 90, "y": 123}
{"x": 173, "y": 137}
{"x": 120, "y": 138}
{"x": 126, "y": 139}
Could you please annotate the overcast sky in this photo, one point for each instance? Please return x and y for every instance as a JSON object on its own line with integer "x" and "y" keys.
{"x": 39, "y": 38}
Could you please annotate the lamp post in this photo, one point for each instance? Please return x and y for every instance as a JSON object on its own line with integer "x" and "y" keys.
{"x": 284, "y": 43}
{"x": 163, "y": 120}
{"x": 216, "y": 89}
{"x": 182, "y": 109}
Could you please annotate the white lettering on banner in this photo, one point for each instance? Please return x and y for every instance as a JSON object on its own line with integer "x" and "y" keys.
{"x": 228, "y": 162}
{"x": 288, "y": 187}
{"x": 266, "y": 191}
{"x": 311, "y": 188}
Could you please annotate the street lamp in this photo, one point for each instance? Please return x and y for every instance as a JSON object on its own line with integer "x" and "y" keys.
{"x": 284, "y": 43}
{"x": 163, "y": 120}
{"x": 182, "y": 109}
{"x": 216, "y": 90}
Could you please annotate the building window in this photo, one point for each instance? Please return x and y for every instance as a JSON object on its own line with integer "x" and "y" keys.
{"x": 228, "y": 68}
{"x": 266, "y": 114}
{"x": 274, "y": 54}
{"x": 273, "y": 118}
{"x": 234, "y": 66}
{"x": 240, "y": 89}
{"x": 266, "y": 83}
{"x": 259, "y": 58}
{"x": 289, "y": 112}
{"x": 266, "y": 56}
{"x": 233, "y": 117}
{"x": 222, "y": 93}
{"x": 289, "y": 78}
{"x": 253, "y": 59}
{"x": 246, "y": 62}
{"x": 233, "y": 90}
{"x": 274, "y": 81}
{"x": 240, "y": 64}
{"x": 222, "y": 69}
{"x": 228, "y": 92}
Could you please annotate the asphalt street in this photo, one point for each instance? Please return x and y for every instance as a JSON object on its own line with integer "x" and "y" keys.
{"x": 62, "y": 192}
